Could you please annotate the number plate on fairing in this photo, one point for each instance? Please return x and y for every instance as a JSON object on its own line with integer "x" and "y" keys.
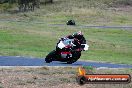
{"x": 66, "y": 54}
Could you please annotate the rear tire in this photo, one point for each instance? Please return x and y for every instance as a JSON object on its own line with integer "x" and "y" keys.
{"x": 71, "y": 61}
{"x": 76, "y": 56}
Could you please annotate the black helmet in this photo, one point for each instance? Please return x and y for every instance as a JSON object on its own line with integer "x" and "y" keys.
{"x": 79, "y": 33}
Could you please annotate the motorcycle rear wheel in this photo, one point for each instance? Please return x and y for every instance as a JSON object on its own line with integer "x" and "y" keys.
{"x": 76, "y": 57}
{"x": 71, "y": 61}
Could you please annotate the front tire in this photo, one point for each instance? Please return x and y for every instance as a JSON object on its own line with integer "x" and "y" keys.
{"x": 50, "y": 56}
{"x": 48, "y": 60}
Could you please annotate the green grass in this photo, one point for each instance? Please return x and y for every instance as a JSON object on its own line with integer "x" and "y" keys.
{"x": 34, "y": 33}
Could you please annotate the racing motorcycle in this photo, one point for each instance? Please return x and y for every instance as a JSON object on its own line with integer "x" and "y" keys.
{"x": 66, "y": 51}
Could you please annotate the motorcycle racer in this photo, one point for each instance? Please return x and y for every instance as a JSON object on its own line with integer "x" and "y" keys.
{"x": 68, "y": 49}
{"x": 78, "y": 39}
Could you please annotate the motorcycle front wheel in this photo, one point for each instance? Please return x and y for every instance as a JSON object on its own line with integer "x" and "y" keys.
{"x": 50, "y": 56}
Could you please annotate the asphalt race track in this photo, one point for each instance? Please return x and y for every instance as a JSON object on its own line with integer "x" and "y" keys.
{"x": 28, "y": 61}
